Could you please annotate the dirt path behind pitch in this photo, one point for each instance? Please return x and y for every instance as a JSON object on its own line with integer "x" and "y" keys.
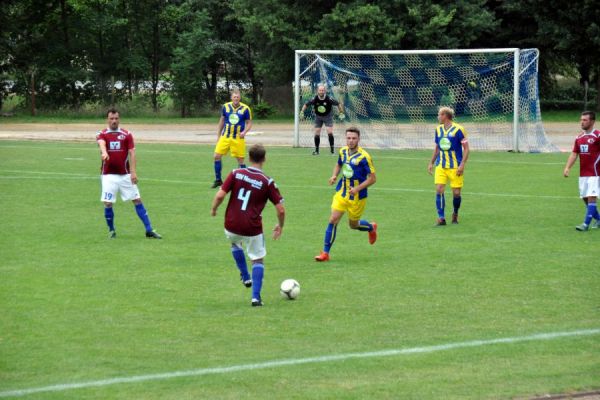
{"x": 561, "y": 134}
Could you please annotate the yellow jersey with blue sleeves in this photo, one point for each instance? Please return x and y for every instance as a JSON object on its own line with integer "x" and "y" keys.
{"x": 235, "y": 119}
{"x": 450, "y": 142}
{"x": 355, "y": 169}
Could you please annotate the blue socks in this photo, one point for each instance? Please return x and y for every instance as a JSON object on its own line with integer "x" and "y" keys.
{"x": 240, "y": 261}
{"x": 141, "y": 212}
{"x": 257, "y": 278}
{"x": 109, "y": 215}
{"x": 591, "y": 212}
{"x": 218, "y": 167}
{"x": 440, "y": 204}
{"x": 330, "y": 233}
{"x": 456, "y": 203}
{"x": 364, "y": 226}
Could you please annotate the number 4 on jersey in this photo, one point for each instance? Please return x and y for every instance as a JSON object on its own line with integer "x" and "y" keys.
{"x": 244, "y": 196}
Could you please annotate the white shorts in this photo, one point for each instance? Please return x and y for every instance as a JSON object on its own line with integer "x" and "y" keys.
{"x": 589, "y": 186}
{"x": 113, "y": 184}
{"x": 255, "y": 245}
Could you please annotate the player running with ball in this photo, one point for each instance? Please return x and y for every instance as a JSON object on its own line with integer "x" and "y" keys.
{"x": 250, "y": 190}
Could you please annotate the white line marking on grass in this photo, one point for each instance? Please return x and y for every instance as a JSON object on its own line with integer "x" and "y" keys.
{"x": 74, "y": 158}
{"x": 60, "y": 175}
{"x": 276, "y": 154}
{"x": 17, "y": 171}
{"x": 296, "y": 361}
{"x": 49, "y": 178}
{"x": 470, "y": 160}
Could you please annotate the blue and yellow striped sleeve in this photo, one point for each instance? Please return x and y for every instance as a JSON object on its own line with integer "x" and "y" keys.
{"x": 370, "y": 167}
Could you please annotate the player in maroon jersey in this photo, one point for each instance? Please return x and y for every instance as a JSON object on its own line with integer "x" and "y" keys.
{"x": 250, "y": 190}
{"x": 119, "y": 173}
{"x": 587, "y": 147}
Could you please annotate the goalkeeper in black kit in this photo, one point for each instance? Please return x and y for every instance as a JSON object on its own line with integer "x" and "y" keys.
{"x": 323, "y": 106}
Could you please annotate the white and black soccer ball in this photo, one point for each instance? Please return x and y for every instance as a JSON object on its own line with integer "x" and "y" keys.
{"x": 289, "y": 289}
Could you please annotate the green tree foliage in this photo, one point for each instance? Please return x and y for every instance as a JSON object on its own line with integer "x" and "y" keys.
{"x": 357, "y": 26}
{"x": 572, "y": 30}
{"x": 73, "y": 50}
{"x": 191, "y": 60}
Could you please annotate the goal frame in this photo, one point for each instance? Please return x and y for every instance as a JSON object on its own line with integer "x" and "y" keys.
{"x": 516, "y": 75}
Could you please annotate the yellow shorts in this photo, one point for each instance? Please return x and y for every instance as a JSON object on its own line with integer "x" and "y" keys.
{"x": 355, "y": 208}
{"x": 236, "y": 146}
{"x": 443, "y": 175}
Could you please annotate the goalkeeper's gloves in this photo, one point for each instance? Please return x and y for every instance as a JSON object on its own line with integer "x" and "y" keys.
{"x": 342, "y": 116}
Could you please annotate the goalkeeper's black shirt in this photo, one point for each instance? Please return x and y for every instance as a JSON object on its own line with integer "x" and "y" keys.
{"x": 322, "y": 106}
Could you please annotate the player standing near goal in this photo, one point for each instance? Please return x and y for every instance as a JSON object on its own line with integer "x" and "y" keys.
{"x": 450, "y": 156}
{"x": 235, "y": 122}
{"x": 358, "y": 173}
{"x": 587, "y": 148}
{"x": 323, "y": 107}
{"x": 250, "y": 189}
{"x": 119, "y": 173}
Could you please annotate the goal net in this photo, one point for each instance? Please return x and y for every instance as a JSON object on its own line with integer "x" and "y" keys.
{"x": 394, "y": 96}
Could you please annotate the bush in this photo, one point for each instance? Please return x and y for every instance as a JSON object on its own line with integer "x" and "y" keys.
{"x": 548, "y": 105}
{"x": 263, "y": 110}
{"x": 568, "y": 97}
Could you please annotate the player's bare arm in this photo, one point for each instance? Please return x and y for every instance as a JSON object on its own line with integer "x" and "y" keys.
{"x": 334, "y": 174}
{"x": 246, "y": 129}
{"x": 219, "y": 197}
{"x": 281, "y": 219}
{"x": 570, "y": 162}
{"x": 436, "y": 151}
{"x": 371, "y": 179}
{"x": 461, "y": 168}
{"x": 132, "y": 166}
{"x": 220, "y": 127}
{"x": 103, "y": 152}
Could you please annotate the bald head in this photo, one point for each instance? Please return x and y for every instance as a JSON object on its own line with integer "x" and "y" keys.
{"x": 321, "y": 91}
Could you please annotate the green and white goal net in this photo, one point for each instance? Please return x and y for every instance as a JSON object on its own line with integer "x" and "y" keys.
{"x": 394, "y": 96}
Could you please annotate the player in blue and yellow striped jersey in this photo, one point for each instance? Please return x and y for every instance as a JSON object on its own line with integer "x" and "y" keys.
{"x": 358, "y": 173}
{"x": 450, "y": 156}
{"x": 235, "y": 122}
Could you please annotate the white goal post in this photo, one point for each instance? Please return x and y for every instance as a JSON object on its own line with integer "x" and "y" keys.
{"x": 393, "y": 95}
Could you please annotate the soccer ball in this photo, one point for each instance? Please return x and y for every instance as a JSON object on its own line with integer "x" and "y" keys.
{"x": 289, "y": 289}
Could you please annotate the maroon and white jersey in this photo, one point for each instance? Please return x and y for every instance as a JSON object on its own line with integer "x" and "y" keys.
{"x": 118, "y": 144}
{"x": 250, "y": 189}
{"x": 587, "y": 145}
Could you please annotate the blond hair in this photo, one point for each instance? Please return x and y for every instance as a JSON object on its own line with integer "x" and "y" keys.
{"x": 448, "y": 111}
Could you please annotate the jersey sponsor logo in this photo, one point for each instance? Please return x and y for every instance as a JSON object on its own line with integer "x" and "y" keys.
{"x": 445, "y": 144}
{"x": 254, "y": 182}
{"x": 234, "y": 118}
{"x": 321, "y": 109}
{"x": 347, "y": 171}
{"x": 583, "y": 148}
{"x": 114, "y": 145}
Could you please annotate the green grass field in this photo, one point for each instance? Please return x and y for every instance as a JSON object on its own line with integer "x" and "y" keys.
{"x": 77, "y": 307}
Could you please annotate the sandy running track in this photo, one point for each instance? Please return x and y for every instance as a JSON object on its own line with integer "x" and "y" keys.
{"x": 561, "y": 134}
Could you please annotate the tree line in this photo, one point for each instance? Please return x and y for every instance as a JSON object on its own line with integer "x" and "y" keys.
{"x": 72, "y": 52}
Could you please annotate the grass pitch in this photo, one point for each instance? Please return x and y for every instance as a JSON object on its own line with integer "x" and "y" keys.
{"x": 78, "y": 307}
